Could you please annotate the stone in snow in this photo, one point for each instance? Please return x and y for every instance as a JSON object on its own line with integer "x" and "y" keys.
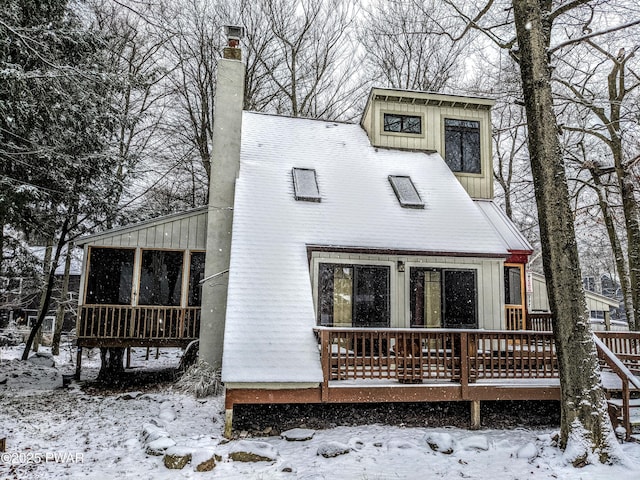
{"x": 475, "y": 442}
{"x": 440, "y": 442}
{"x": 333, "y": 449}
{"x": 298, "y": 434}
{"x": 253, "y": 451}
{"x": 528, "y": 451}
{"x": 158, "y": 446}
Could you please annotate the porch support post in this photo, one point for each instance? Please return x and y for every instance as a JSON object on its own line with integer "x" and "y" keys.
{"x": 128, "y": 357}
{"x": 78, "y": 362}
{"x": 325, "y": 358}
{"x": 464, "y": 364}
{"x": 228, "y": 415}
{"x": 475, "y": 414}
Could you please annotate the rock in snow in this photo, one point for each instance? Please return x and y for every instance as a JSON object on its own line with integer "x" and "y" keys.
{"x": 298, "y": 434}
{"x": 204, "y": 460}
{"x": 440, "y": 442}
{"x": 333, "y": 449}
{"x": 176, "y": 458}
{"x": 528, "y": 451}
{"x": 249, "y": 451}
{"x": 474, "y": 442}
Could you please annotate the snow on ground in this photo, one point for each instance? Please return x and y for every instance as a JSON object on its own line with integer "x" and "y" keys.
{"x": 74, "y": 433}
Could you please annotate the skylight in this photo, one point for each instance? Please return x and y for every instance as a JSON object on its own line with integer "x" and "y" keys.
{"x": 406, "y": 191}
{"x": 305, "y": 185}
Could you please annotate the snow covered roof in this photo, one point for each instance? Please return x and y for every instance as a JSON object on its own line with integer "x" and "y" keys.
{"x": 270, "y": 314}
{"x": 512, "y": 237}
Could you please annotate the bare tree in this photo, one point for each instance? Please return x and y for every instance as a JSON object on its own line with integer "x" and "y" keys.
{"x": 401, "y": 50}
{"x": 600, "y": 86}
{"x": 305, "y": 54}
{"x": 586, "y": 432}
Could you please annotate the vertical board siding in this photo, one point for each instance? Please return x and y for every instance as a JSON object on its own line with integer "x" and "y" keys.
{"x": 187, "y": 232}
{"x": 478, "y": 186}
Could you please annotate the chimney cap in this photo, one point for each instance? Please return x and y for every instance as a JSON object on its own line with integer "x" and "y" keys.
{"x": 234, "y": 32}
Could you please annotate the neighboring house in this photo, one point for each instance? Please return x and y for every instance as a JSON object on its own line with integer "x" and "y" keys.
{"x": 19, "y": 304}
{"x": 599, "y": 306}
{"x": 344, "y": 262}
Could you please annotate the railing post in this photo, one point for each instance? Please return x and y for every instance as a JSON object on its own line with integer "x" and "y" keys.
{"x": 325, "y": 359}
{"x": 464, "y": 364}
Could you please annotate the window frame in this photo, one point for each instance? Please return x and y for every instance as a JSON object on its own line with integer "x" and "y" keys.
{"x": 419, "y": 115}
{"x": 481, "y": 143}
{"x": 443, "y": 290}
{"x": 355, "y": 265}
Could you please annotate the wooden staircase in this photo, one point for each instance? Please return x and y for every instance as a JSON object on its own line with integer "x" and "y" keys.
{"x": 619, "y": 354}
{"x": 616, "y": 412}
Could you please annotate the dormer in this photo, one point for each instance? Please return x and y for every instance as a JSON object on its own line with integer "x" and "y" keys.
{"x": 457, "y": 127}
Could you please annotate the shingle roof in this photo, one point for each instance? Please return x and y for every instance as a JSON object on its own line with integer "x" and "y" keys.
{"x": 270, "y": 314}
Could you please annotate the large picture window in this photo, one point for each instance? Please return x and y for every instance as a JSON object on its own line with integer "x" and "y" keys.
{"x": 462, "y": 145}
{"x": 443, "y": 298}
{"x": 161, "y": 278}
{"x": 353, "y": 295}
{"x": 110, "y": 276}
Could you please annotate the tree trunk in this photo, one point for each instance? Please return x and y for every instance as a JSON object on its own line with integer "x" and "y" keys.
{"x": 57, "y": 331}
{"x": 585, "y": 427}
{"x": 618, "y": 253}
{"x": 48, "y": 289}
{"x": 42, "y": 311}
{"x": 111, "y": 364}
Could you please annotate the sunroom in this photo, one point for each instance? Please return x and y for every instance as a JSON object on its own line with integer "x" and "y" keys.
{"x": 141, "y": 285}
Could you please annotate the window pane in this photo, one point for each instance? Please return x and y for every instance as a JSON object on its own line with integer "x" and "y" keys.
{"x": 453, "y": 150}
{"x": 371, "y": 297}
{"x": 110, "y": 276}
{"x": 161, "y": 278}
{"x": 426, "y": 298}
{"x": 462, "y": 145}
{"x": 471, "y": 152}
{"x": 351, "y": 295}
{"x": 196, "y": 274}
{"x": 406, "y": 192}
{"x": 305, "y": 185}
{"x": 460, "y": 299}
{"x": 392, "y": 123}
{"x": 512, "y": 286}
{"x": 402, "y": 123}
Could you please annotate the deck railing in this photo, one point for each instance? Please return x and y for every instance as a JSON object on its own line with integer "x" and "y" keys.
{"x": 124, "y": 322}
{"x": 539, "y": 322}
{"x": 626, "y": 347}
{"x": 416, "y": 355}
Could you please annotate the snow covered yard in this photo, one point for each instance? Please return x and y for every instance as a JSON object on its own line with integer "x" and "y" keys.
{"x": 74, "y": 433}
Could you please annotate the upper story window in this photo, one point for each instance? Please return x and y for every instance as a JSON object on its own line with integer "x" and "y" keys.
{"x": 406, "y": 191}
{"x": 402, "y": 123}
{"x": 305, "y": 185}
{"x": 462, "y": 145}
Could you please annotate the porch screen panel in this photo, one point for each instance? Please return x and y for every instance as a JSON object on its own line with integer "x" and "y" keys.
{"x": 460, "y": 299}
{"x": 196, "y": 274}
{"x": 110, "y": 277}
{"x": 161, "y": 278}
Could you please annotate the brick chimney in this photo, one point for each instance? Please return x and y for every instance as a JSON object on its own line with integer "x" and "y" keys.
{"x": 225, "y": 166}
